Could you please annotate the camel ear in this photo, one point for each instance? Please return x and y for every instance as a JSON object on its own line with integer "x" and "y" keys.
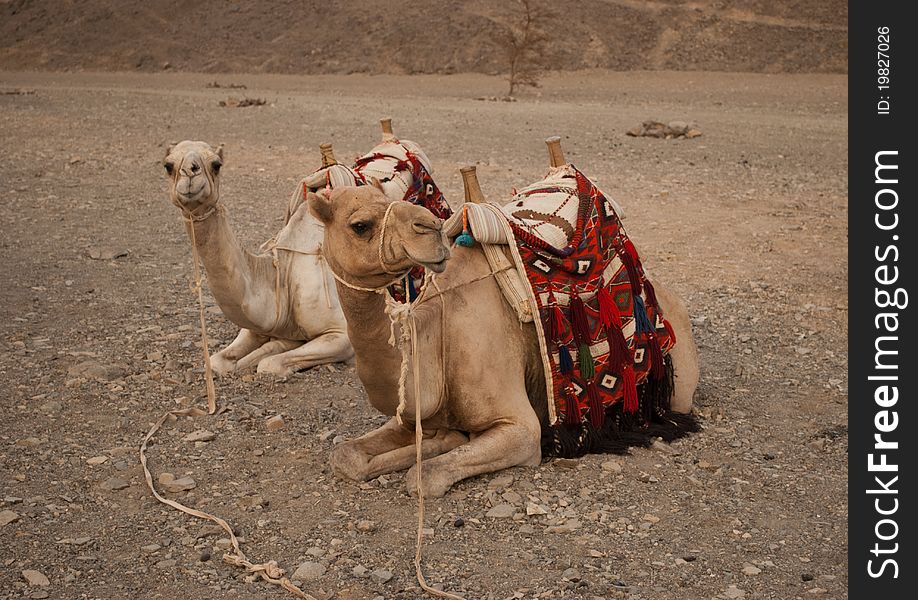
{"x": 376, "y": 183}
{"x": 219, "y": 151}
{"x": 320, "y": 205}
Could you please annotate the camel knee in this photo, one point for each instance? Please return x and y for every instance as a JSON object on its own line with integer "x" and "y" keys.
{"x": 274, "y": 365}
{"x": 221, "y": 365}
{"x": 348, "y": 461}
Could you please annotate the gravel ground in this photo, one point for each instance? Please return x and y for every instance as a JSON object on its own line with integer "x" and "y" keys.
{"x": 97, "y": 330}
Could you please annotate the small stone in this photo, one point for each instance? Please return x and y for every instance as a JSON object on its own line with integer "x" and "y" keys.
{"x": 817, "y": 590}
{"x": 381, "y": 575}
{"x": 734, "y": 593}
{"x": 176, "y": 485}
{"x": 566, "y": 463}
{"x": 150, "y": 548}
{"x": 35, "y": 578}
{"x": 500, "y": 482}
{"x": 680, "y": 561}
{"x": 692, "y": 133}
{"x": 612, "y": 466}
{"x": 501, "y": 511}
{"x": 511, "y": 497}
{"x": 571, "y": 574}
{"x": 274, "y": 423}
{"x": 201, "y": 435}
{"x": 533, "y": 509}
{"x": 649, "y": 518}
{"x": 7, "y": 517}
{"x": 114, "y": 484}
{"x": 315, "y": 551}
{"x": 308, "y": 571}
{"x": 360, "y": 571}
{"x": 751, "y": 570}
{"x": 205, "y": 556}
{"x": 459, "y": 522}
{"x": 366, "y": 526}
{"x": 167, "y": 563}
{"x": 662, "y": 447}
{"x": 39, "y": 595}
{"x": 224, "y": 543}
{"x": 806, "y": 577}
{"x": 96, "y": 460}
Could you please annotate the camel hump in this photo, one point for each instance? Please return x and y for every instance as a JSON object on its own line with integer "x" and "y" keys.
{"x": 471, "y": 186}
{"x": 555, "y": 155}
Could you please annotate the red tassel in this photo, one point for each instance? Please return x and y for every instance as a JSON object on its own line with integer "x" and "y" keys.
{"x": 597, "y": 409}
{"x": 572, "y": 408}
{"x": 629, "y": 389}
{"x": 554, "y": 324}
{"x": 619, "y": 353}
{"x": 608, "y": 311}
{"x": 656, "y": 357}
{"x": 579, "y": 322}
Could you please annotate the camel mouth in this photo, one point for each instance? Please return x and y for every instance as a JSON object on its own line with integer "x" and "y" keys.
{"x": 191, "y": 195}
{"x": 437, "y": 266}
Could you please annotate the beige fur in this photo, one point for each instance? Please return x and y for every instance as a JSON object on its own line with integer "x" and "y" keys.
{"x": 284, "y": 328}
{"x": 482, "y": 397}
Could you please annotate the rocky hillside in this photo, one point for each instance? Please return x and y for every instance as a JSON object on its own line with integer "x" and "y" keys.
{"x": 439, "y": 36}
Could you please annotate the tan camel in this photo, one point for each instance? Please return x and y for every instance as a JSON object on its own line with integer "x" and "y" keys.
{"x": 285, "y": 301}
{"x": 483, "y": 401}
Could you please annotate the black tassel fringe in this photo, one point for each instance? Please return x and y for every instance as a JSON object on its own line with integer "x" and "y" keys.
{"x": 621, "y": 431}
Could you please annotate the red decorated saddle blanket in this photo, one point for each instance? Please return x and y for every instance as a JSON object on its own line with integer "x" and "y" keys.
{"x": 602, "y": 332}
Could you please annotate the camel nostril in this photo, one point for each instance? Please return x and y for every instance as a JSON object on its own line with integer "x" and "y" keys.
{"x": 195, "y": 168}
{"x": 426, "y": 226}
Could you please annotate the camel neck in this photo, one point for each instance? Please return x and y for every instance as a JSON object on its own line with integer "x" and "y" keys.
{"x": 378, "y": 363}
{"x": 233, "y": 275}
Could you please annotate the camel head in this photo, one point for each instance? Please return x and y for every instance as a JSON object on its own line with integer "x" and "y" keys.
{"x": 193, "y": 168}
{"x": 370, "y": 238}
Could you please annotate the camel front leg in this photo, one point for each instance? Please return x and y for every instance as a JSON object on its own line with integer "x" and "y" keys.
{"x": 388, "y": 449}
{"x": 246, "y": 341}
{"x": 327, "y": 348}
{"x": 270, "y": 348}
{"x": 510, "y": 442}
{"x": 684, "y": 354}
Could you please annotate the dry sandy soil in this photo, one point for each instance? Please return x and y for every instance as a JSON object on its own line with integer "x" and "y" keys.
{"x": 97, "y": 328}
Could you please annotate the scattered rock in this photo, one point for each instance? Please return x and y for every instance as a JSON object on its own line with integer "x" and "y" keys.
{"x": 656, "y": 129}
{"x": 366, "y": 526}
{"x": 91, "y": 369}
{"x": 501, "y": 511}
{"x": 733, "y": 593}
{"x": 35, "y": 578}
{"x": 381, "y": 575}
{"x": 274, "y": 423}
{"x": 360, "y": 571}
{"x": 751, "y": 570}
{"x": 806, "y": 577}
{"x": 459, "y": 522}
{"x": 308, "y": 571}
{"x": 232, "y": 102}
{"x": 175, "y": 485}
{"x": 533, "y": 509}
{"x": 201, "y": 435}
{"x": 612, "y": 466}
{"x": 106, "y": 253}
{"x": 96, "y": 460}
{"x": 566, "y": 463}
{"x": 500, "y": 482}
{"x": 150, "y": 548}
{"x": 114, "y": 484}
{"x": 7, "y": 517}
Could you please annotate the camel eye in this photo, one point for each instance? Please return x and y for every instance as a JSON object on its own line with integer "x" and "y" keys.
{"x": 360, "y": 227}
{"x": 169, "y": 167}
{"x": 215, "y": 166}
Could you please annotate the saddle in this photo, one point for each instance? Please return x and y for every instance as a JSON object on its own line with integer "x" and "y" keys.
{"x": 602, "y": 335}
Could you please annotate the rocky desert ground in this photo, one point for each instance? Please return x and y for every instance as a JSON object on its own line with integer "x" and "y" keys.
{"x": 748, "y": 222}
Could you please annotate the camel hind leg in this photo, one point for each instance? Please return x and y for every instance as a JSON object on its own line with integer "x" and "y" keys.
{"x": 270, "y": 348}
{"x": 684, "y": 354}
